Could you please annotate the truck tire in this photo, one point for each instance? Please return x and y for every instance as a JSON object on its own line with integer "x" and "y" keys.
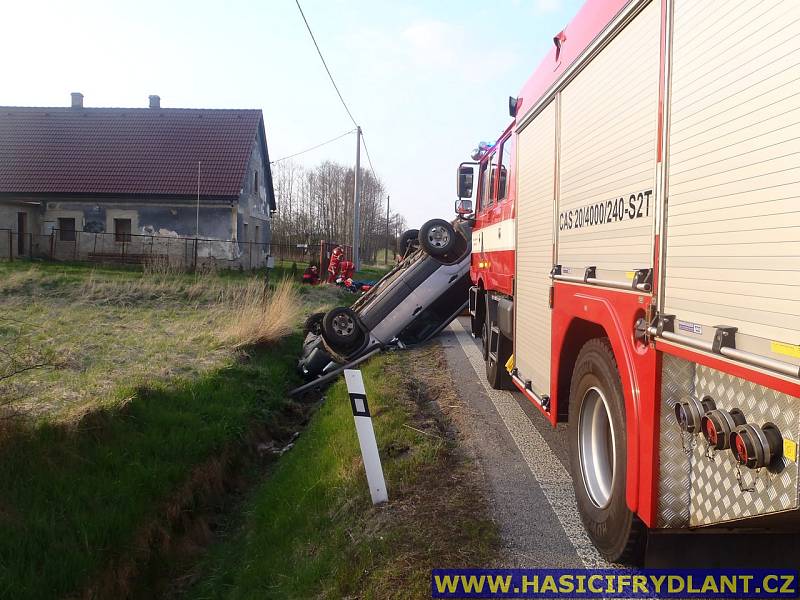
{"x": 340, "y": 329}
{"x": 485, "y": 340}
{"x": 476, "y": 322}
{"x": 496, "y": 373}
{"x": 437, "y": 237}
{"x": 598, "y": 454}
{"x": 407, "y": 238}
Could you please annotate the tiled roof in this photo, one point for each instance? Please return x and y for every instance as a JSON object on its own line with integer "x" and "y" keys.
{"x": 125, "y": 150}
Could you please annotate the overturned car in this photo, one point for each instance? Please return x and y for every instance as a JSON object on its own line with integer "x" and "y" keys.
{"x": 408, "y": 306}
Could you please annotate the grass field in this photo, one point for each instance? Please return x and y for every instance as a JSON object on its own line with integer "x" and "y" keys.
{"x": 143, "y": 455}
{"x": 100, "y": 329}
{"x": 151, "y": 396}
{"x": 310, "y": 531}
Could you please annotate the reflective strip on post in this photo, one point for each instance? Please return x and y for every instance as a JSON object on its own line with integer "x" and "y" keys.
{"x": 366, "y": 435}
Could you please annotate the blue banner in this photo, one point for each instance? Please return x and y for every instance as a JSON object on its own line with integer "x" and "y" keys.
{"x": 614, "y": 583}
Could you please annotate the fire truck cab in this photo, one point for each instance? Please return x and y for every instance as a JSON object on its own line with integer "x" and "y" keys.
{"x": 635, "y": 265}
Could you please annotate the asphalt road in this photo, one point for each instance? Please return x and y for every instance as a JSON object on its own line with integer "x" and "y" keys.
{"x": 525, "y": 466}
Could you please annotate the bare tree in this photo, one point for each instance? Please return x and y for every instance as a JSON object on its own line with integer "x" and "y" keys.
{"x": 317, "y": 204}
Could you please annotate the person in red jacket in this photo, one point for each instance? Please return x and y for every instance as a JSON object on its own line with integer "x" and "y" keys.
{"x": 347, "y": 268}
{"x": 311, "y": 275}
{"x": 333, "y": 265}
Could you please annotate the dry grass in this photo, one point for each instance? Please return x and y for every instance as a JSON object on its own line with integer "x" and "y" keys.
{"x": 127, "y": 328}
{"x": 259, "y": 318}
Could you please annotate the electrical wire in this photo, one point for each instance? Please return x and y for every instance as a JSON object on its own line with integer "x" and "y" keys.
{"x": 324, "y": 64}
{"x": 369, "y": 158}
{"x": 338, "y": 137}
{"x": 335, "y": 87}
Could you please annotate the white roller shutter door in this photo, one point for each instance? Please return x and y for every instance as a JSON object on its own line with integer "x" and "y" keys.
{"x": 609, "y": 115}
{"x": 733, "y": 236}
{"x": 536, "y": 154}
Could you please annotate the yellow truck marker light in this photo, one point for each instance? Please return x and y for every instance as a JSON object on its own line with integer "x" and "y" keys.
{"x": 790, "y": 449}
{"x": 792, "y": 350}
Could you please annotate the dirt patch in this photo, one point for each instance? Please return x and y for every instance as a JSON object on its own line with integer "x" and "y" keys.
{"x": 440, "y": 519}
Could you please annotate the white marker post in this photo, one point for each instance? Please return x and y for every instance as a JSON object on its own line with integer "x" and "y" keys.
{"x": 366, "y": 435}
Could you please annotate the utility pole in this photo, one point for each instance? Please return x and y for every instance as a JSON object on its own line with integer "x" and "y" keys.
{"x": 386, "y": 253}
{"x": 197, "y": 213}
{"x": 357, "y": 208}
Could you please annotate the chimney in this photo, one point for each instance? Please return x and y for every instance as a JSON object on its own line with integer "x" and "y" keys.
{"x": 77, "y": 100}
{"x": 155, "y": 101}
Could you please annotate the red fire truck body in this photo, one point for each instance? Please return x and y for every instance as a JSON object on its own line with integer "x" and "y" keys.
{"x": 636, "y": 261}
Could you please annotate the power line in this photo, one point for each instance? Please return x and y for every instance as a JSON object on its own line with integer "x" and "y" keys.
{"x": 338, "y": 137}
{"x": 369, "y": 159}
{"x": 324, "y": 64}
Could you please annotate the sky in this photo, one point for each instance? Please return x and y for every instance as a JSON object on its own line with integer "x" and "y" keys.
{"x": 426, "y": 80}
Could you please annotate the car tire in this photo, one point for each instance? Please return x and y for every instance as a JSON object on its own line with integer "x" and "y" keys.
{"x": 437, "y": 237}
{"x": 598, "y": 454}
{"x": 409, "y": 237}
{"x": 313, "y": 324}
{"x": 340, "y": 328}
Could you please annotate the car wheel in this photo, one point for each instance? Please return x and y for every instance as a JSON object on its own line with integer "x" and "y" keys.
{"x": 598, "y": 454}
{"x": 437, "y": 237}
{"x": 340, "y": 328}
{"x": 313, "y": 324}
{"x": 408, "y": 238}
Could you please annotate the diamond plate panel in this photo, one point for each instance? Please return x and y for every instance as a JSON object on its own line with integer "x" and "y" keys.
{"x": 716, "y": 494}
{"x": 677, "y": 382}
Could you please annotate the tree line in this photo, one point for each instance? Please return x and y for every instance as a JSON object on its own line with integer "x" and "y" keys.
{"x": 316, "y": 204}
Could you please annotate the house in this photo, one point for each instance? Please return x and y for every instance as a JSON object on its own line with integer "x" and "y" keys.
{"x": 78, "y": 182}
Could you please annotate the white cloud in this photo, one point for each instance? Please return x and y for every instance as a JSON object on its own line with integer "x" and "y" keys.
{"x": 548, "y": 6}
{"x": 447, "y": 48}
{"x": 430, "y": 49}
{"x": 434, "y": 43}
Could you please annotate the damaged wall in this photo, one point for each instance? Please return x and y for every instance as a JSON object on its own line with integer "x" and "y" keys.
{"x": 253, "y": 211}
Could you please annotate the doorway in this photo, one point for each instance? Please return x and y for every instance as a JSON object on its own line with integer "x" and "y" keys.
{"x": 22, "y": 230}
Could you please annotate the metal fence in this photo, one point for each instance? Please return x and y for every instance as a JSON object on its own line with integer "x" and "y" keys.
{"x": 177, "y": 252}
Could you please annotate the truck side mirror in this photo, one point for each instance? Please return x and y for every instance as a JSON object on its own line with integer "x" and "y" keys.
{"x": 465, "y": 187}
{"x": 463, "y": 207}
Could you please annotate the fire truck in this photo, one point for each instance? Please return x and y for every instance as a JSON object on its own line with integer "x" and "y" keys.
{"x": 636, "y": 262}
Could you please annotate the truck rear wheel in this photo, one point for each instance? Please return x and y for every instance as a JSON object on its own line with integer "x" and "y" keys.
{"x": 598, "y": 454}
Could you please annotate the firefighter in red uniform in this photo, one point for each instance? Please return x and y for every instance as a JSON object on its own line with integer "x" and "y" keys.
{"x": 333, "y": 266}
{"x": 347, "y": 268}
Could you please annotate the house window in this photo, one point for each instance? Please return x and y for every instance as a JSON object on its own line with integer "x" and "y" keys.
{"x": 66, "y": 230}
{"x": 122, "y": 230}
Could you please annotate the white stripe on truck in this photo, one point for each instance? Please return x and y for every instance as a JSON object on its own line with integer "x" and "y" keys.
{"x": 493, "y": 238}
